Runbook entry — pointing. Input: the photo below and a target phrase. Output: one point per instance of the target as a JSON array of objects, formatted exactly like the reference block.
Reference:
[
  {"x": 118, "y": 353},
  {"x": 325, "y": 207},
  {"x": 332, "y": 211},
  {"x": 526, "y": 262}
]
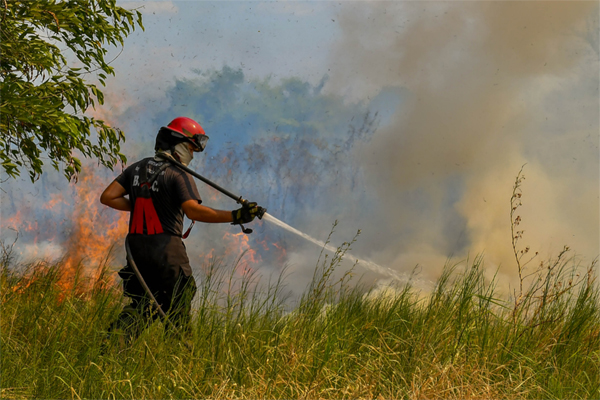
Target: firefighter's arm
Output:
[
  {"x": 197, "y": 212},
  {"x": 114, "y": 197}
]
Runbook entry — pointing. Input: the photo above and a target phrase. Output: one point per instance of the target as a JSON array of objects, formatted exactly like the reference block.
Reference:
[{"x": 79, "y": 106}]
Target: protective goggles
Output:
[{"x": 199, "y": 141}]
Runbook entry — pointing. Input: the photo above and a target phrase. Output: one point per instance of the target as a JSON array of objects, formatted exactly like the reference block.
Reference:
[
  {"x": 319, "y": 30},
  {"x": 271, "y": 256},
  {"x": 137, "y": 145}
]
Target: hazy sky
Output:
[
  {"x": 466, "y": 93},
  {"x": 278, "y": 39}
]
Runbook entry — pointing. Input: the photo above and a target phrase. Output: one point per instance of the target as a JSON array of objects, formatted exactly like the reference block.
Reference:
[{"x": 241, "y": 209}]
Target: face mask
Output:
[{"x": 184, "y": 153}]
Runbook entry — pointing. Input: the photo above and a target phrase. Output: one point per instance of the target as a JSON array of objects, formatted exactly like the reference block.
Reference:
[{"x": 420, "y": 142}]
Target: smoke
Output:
[
  {"x": 414, "y": 136},
  {"x": 284, "y": 144},
  {"x": 491, "y": 86}
]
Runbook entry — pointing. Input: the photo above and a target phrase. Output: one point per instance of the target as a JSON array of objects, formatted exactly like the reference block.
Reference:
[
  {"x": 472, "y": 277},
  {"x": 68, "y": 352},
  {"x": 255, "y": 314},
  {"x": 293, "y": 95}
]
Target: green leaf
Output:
[{"x": 41, "y": 94}]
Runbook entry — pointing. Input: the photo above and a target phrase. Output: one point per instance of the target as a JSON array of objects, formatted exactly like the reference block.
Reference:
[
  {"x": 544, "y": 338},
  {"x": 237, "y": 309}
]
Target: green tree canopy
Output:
[{"x": 48, "y": 50}]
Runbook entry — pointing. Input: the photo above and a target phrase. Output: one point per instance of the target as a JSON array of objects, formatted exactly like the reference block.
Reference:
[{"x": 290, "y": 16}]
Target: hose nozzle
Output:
[{"x": 261, "y": 212}]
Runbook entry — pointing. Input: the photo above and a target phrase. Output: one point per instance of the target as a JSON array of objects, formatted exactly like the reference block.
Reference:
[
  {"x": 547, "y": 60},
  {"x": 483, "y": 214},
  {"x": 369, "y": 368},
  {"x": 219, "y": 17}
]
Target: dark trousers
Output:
[{"x": 164, "y": 266}]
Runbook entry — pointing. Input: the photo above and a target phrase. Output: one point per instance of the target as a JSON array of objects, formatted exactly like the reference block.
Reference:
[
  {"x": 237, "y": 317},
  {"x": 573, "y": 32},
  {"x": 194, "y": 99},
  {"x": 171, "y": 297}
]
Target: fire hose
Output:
[
  {"x": 238, "y": 199},
  {"x": 226, "y": 192}
]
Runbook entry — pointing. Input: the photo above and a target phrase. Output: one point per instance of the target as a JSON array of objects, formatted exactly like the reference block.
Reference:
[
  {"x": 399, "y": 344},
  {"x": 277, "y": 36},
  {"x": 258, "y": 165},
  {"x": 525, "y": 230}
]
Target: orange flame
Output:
[
  {"x": 237, "y": 245},
  {"x": 92, "y": 233},
  {"x": 282, "y": 252},
  {"x": 21, "y": 223}
]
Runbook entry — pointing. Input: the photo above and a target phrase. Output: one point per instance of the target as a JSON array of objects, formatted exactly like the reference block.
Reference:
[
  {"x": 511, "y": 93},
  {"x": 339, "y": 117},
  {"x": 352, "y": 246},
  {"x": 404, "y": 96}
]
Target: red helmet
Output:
[{"x": 188, "y": 130}]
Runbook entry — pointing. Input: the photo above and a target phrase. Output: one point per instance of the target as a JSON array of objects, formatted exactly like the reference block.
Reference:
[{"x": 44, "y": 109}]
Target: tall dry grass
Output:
[{"x": 339, "y": 340}]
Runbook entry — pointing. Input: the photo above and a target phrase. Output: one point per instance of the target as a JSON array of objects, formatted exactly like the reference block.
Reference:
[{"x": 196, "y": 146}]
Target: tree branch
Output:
[{"x": 55, "y": 19}]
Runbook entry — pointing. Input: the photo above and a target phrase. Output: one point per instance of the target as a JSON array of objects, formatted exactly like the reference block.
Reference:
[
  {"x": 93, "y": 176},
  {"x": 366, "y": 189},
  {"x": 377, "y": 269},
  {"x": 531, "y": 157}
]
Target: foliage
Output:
[
  {"x": 460, "y": 341},
  {"x": 49, "y": 51}
]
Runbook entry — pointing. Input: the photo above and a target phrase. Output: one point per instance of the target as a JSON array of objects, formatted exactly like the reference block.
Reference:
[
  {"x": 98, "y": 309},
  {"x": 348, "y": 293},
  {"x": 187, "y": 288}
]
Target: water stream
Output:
[{"x": 365, "y": 263}]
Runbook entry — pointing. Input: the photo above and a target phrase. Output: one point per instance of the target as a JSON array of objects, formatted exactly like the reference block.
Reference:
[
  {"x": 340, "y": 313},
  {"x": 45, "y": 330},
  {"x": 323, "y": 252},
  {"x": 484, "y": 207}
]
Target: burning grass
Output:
[{"x": 339, "y": 340}]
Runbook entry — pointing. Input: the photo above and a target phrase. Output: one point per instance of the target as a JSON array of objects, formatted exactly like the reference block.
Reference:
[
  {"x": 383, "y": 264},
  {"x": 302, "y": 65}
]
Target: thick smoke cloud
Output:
[
  {"x": 414, "y": 137},
  {"x": 491, "y": 86}
]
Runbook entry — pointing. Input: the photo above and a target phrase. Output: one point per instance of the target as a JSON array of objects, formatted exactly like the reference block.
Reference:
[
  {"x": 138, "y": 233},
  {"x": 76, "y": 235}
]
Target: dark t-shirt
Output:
[{"x": 172, "y": 187}]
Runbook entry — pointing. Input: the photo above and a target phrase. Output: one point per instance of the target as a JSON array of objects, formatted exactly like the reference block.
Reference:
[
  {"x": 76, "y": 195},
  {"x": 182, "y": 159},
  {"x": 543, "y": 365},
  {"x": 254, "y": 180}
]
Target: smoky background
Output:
[{"x": 413, "y": 135}]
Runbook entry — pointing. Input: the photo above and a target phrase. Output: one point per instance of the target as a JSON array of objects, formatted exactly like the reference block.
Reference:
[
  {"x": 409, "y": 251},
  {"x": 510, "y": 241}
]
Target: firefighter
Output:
[{"x": 158, "y": 194}]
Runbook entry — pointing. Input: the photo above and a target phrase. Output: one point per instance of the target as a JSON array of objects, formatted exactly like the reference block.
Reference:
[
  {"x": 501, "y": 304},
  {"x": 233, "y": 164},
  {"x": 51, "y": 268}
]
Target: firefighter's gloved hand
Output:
[{"x": 247, "y": 213}]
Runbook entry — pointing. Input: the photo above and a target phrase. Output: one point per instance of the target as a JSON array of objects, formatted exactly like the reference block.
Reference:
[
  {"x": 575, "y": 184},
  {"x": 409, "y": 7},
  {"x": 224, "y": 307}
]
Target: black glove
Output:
[{"x": 247, "y": 213}]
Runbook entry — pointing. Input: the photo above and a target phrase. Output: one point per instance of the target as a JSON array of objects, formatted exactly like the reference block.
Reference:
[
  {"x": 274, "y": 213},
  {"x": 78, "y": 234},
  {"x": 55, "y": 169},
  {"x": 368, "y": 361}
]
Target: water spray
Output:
[
  {"x": 368, "y": 264},
  {"x": 262, "y": 214}
]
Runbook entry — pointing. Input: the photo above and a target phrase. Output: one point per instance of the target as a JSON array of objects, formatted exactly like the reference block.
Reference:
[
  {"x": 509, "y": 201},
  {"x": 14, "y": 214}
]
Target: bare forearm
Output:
[
  {"x": 197, "y": 212},
  {"x": 210, "y": 215},
  {"x": 114, "y": 197},
  {"x": 121, "y": 204}
]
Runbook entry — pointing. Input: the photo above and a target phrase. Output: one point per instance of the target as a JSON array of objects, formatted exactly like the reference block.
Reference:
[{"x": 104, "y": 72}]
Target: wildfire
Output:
[
  {"x": 56, "y": 200},
  {"x": 93, "y": 233},
  {"x": 282, "y": 252},
  {"x": 72, "y": 222},
  {"x": 21, "y": 223},
  {"x": 90, "y": 233},
  {"x": 237, "y": 245},
  {"x": 279, "y": 250},
  {"x": 248, "y": 254}
]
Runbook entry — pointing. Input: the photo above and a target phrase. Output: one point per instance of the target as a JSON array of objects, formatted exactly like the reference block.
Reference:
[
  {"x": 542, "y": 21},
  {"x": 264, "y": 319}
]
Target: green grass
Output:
[{"x": 339, "y": 340}]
